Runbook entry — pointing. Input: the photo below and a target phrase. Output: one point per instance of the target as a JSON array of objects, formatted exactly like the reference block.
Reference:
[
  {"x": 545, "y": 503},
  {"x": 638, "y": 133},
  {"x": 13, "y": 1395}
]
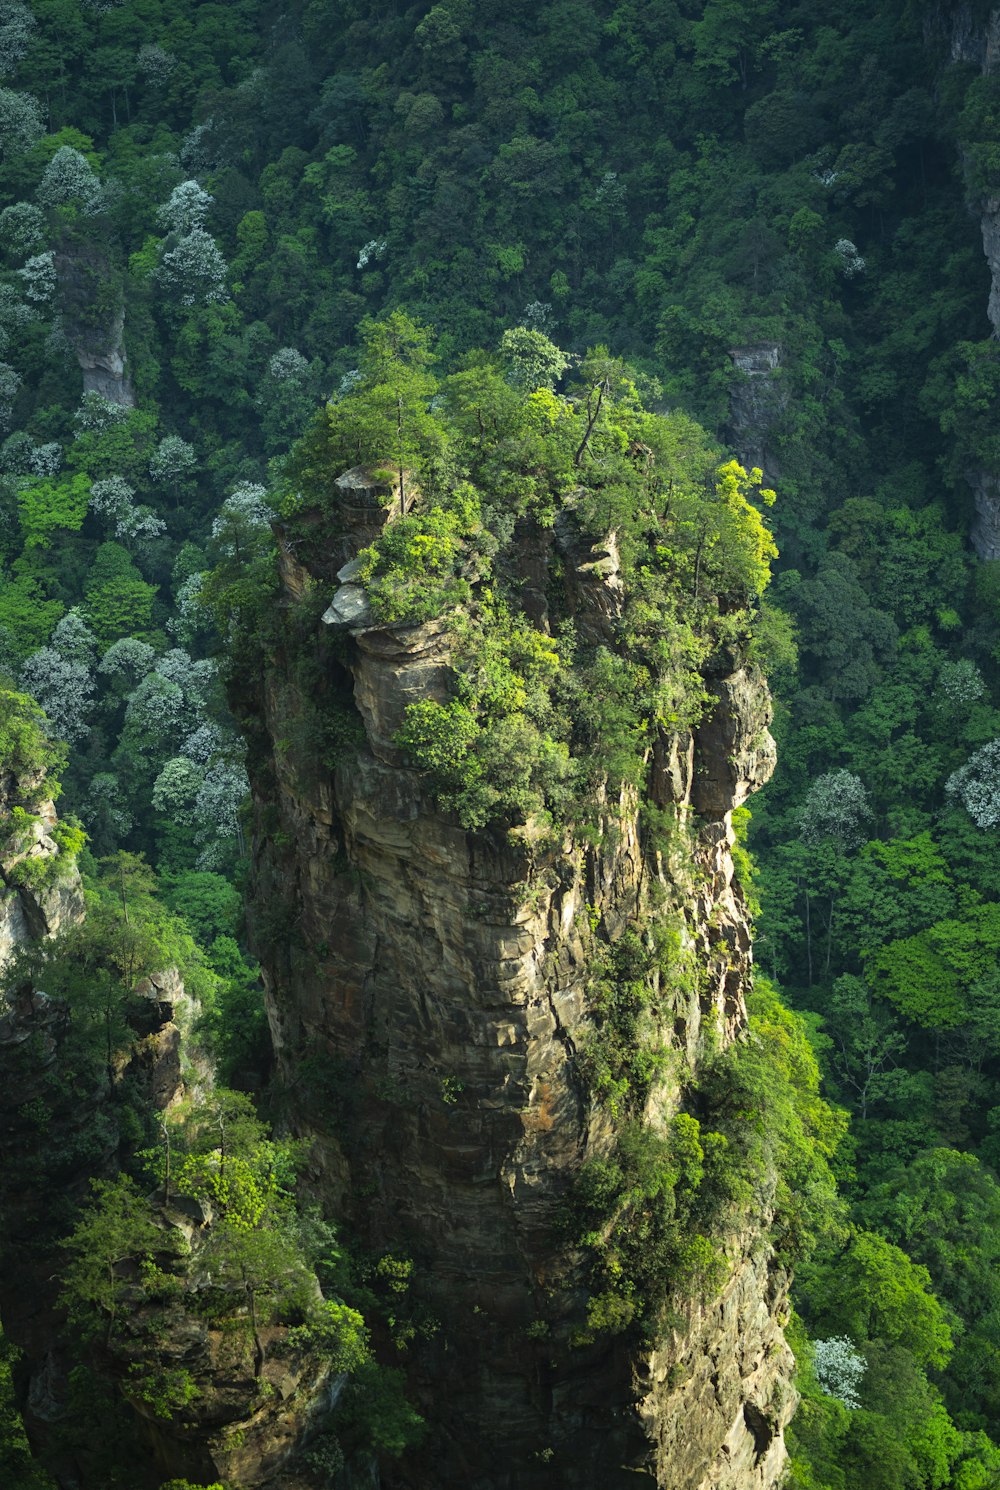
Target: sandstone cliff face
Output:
[
  {"x": 38, "y": 897},
  {"x": 757, "y": 401},
  {"x": 428, "y": 996},
  {"x": 93, "y": 319}
]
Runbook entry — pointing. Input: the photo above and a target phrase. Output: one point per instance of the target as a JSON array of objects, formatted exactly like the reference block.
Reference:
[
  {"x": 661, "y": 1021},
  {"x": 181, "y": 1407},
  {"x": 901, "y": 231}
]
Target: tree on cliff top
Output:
[{"x": 386, "y": 417}]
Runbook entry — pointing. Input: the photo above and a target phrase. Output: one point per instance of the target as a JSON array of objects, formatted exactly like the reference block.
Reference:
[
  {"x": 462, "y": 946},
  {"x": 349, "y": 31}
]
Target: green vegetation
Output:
[{"x": 625, "y": 205}]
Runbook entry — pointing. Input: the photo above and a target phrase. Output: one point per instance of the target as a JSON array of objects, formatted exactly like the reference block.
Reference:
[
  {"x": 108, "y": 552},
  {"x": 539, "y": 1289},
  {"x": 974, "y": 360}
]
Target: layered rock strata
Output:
[{"x": 428, "y": 991}]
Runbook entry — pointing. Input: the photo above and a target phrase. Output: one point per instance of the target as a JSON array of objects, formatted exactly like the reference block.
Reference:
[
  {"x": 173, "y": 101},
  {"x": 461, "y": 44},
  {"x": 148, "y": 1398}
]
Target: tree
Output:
[
  {"x": 20, "y": 122},
  {"x": 112, "y": 498},
  {"x": 192, "y": 266},
  {"x": 872, "y": 1291},
  {"x": 46, "y": 504},
  {"x": 69, "y": 178},
  {"x": 836, "y": 806},
  {"x": 22, "y": 229},
  {"x": 977, "y": 785},
  {"x": 118, "y": 1228},
  {"x": 243, "y": 525},
  {"x": 39, "y": 276},
  {"x": 386, "y": 418},
  {"x": 839, "y": 1368},
  {"x": 186, "y": 208},
  {"x": 65, "y": 691},
  {"x": 73, "y": 639},
  {"x": 531, "y": 360},
  {"x": 174, "y": 463}
]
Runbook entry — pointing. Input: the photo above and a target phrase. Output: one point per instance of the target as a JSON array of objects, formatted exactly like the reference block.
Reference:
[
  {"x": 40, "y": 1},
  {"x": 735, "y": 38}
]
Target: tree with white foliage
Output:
[
  {"x": 217, "y": 807},
  {"x": 69, "y": 177},
  {"x": 74, "y": 640},
  {"x": 154, "y": 64},
  {"x": 112, "y": 499},
  {"x": 960, "y": 684},
  {"x": 97, "y": 414},
  {"x": 46, "y": 460},
  {"x": 176, "y": 788},
  {"x": 20, "y": 122},
  {"x": 16, "y": 26},
  {"x": 173, "y": 462},
  {"x": 286, "y": 363},
  {"x": 836, "y": 806},
  {"x": 128, "y": 661},
  {"x": 203, "y": 744},
  {"x": 839, "y": 1368},
  {"x": 64, "y": 689},
  {"x": 111, "y": 496},
  {"x": 39, "y": 275},
  {"x": 194, "y": 269},
  {"x": 977, "y": 785},
  {"x": 851, "y": 262},
  {"x": 185, "y": 209},
  {"x": 243, "y": 525},
  {"x": 22, "y": 229},
  {"x": 194, "y": 678},
  {"x": 192, "y": 613},
  {"x": 10, "y": 383}
]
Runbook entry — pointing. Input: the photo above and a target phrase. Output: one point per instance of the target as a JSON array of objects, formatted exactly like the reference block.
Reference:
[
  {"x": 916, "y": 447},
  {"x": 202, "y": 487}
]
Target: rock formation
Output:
[{"x": 429, "y": 991}]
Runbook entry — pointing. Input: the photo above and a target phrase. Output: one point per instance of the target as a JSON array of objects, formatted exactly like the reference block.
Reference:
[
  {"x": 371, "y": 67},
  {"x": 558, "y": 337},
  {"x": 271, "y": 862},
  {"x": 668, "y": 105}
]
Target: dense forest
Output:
[{"x": 237, "y": 241}]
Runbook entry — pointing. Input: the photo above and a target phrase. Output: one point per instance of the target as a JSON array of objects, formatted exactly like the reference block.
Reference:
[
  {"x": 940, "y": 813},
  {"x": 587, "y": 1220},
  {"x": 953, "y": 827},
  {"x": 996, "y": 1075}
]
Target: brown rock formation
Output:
[{"x": 428, "y": 990}]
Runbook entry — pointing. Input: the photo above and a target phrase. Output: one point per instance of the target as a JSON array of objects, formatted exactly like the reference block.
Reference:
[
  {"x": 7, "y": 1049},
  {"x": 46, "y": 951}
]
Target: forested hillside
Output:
[{"x": 518, "y": 250}]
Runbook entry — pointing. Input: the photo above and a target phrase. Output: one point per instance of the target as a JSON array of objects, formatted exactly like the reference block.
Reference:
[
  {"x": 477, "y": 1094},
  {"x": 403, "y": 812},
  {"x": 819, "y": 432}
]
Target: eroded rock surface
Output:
[{"x": 428, "y": 997}]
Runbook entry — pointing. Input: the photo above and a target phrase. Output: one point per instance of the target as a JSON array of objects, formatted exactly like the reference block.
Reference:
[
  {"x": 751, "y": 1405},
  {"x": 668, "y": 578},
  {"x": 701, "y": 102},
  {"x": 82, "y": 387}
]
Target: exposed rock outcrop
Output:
[
  {"x": 433, "y": 984},
  {"x": 92, "y": 309},
  {"x": 757, "y": 400},
  {"x": 40, "y": 890}
]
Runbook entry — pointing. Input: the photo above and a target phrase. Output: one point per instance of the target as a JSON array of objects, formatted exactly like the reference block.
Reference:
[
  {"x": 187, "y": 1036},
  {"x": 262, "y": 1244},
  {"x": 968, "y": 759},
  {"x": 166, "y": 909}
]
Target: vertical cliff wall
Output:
[{"x": 430, "y": 994}]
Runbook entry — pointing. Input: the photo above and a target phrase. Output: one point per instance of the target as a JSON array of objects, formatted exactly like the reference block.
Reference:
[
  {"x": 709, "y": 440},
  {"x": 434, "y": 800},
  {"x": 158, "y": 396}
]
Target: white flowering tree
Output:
[
  {"x": 839, "y": 1368},
  {"x": 193, "y": 269},
  {"x": 287, "y": 363},
  {"x": 45, "y": 460},
  {"x": 74, "y": 640},
  {"x": 69, "y": 177},
  {"x": 16, "y": 26},
  {"x": 22, "y": 229},
  {"x": 192, "y": 615},
  {"x": 39, "y": 276},
  {"x": 129, "y": 658},
  {"x": 217, "y": 807},
  {"x": 850, "y": 261},
  {"x": 243, "y": 525},
  {"x": 20, "y": 122},
  {"x": 959, "y": 684},
  {"x": 97, "y": 414},
  {"x": 64, "y": 689},
  {"x": 977, "y": 785},
  {"x": 112, "y": 499},
  {"x": 185, "y": 209},
  {"x": 173, "y": 462},
  {"x": 836, "y": 806}
]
